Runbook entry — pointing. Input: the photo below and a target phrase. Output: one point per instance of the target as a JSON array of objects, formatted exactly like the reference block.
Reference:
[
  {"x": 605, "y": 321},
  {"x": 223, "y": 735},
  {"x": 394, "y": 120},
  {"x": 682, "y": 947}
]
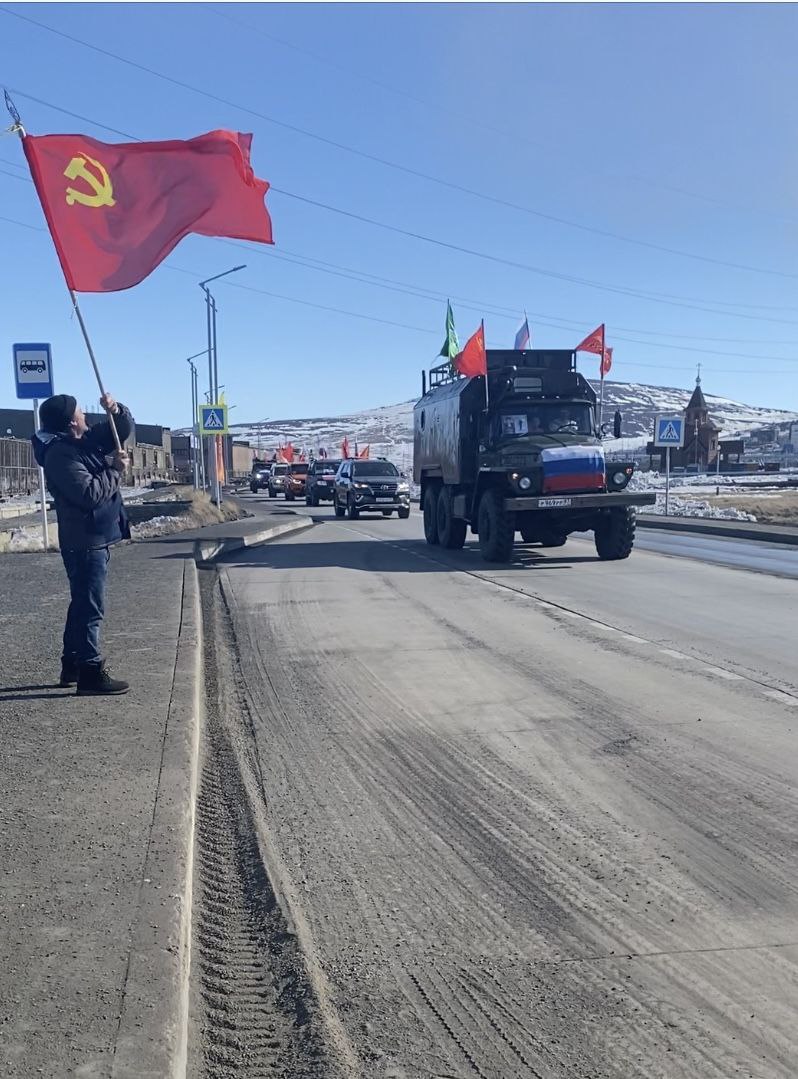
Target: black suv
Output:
[
  {"x": 320, "y": 482},
  {"x": 277, "y": 479},
  {"x": 259, "y": 478},
  {"x": 370, "y": 485}
]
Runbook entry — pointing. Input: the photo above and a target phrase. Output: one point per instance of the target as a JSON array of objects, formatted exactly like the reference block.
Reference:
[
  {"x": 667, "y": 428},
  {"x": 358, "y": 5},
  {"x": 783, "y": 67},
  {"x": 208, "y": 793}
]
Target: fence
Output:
[{"x": 18, "y": 472}]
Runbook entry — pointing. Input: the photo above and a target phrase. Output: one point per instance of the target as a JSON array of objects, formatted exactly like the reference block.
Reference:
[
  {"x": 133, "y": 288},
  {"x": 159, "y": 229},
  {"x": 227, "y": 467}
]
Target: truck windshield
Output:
[{"x": 551, "y": 418}]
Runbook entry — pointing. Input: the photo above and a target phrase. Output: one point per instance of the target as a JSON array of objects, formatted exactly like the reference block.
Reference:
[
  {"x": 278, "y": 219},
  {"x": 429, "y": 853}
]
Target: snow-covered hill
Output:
[{"x": 389, "y": 429}]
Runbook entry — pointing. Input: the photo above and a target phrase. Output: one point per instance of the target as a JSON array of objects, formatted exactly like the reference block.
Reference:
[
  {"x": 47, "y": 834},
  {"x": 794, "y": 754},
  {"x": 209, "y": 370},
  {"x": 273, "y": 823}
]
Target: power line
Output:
[
  {"x": 651, "y": 297},
  {"x": 514, "y": 136},
  {"x": 621, "y": 290},
  {"x": 426, "y": 330},
  {"x": 406, "y": 169}
]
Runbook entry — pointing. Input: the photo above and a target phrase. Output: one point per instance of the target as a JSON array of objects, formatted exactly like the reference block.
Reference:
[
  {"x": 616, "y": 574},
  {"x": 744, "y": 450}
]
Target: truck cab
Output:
[{"x": 519, "y": 451}]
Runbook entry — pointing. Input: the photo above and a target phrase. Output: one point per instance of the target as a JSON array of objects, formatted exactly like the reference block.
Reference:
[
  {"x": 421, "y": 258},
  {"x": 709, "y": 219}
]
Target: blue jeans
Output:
[{"x": 86, "y": 570}]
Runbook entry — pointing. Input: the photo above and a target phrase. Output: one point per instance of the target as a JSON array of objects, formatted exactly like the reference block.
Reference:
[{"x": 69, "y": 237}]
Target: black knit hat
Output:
[{"x": 57, "y": 413}]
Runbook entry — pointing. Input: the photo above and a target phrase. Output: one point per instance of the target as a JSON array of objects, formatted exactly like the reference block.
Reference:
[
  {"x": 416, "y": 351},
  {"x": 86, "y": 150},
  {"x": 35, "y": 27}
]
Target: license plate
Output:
[
  {"x": 553, "y": 503},
  {"x": 385, "y": 498}
]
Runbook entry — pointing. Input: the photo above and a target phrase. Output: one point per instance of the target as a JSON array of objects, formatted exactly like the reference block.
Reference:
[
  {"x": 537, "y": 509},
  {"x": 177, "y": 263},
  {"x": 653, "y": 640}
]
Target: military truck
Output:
[{"x": 520, "y": 455}]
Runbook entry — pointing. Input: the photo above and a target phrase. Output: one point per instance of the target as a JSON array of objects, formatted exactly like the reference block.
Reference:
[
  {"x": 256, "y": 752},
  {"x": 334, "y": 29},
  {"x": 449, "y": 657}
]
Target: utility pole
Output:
[{"x": 213, "y": 367}]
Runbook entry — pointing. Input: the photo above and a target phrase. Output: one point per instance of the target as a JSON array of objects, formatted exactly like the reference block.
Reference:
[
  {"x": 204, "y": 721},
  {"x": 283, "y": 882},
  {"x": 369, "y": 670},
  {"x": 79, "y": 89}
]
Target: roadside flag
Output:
[
  {"x": 345, "y": 448},
  {"x": 523, "y": 337},
  {"x": 116, "y": 210},
  {"x": 594, "y": 342},
  {"x": 473, "y": 360},
  {"x": 451, "y": 346},
  {"x": 364, "y": 453}
]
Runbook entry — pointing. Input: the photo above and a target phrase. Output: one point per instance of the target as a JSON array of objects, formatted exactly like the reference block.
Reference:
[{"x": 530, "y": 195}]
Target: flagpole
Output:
[
  {"x": 19, "y": 129},
  {"x": 528, "y": 332},
  {"x": 487, "y": 391}
]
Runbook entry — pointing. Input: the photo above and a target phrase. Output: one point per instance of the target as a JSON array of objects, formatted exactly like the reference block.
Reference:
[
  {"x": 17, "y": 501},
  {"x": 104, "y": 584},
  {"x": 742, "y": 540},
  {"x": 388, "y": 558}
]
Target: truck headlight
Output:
[
  {"x": 525, "y": 483},
  {"x": 403, "y": 488}
]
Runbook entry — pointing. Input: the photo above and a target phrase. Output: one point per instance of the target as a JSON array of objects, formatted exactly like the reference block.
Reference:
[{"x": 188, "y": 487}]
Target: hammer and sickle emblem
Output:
[{"x": 102, "y": 192}]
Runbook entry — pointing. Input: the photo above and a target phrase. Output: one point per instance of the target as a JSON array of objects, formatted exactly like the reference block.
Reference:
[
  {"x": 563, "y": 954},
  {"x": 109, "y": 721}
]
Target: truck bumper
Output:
[{"x": 577, "y": 502}]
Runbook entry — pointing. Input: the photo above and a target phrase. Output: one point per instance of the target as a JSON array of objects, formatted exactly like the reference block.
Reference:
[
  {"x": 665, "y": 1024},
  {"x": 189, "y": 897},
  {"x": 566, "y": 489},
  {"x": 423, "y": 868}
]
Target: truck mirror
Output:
[{"x": 616, "y": 427}]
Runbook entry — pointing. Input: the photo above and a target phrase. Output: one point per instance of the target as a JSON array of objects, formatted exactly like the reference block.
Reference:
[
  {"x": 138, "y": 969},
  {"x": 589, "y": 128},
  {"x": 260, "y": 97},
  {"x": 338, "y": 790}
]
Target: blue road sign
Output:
[
  {"x": 213, "y": 420},
  {"x": 669, "y": 431},
  {"x": 33, "y": 371}
]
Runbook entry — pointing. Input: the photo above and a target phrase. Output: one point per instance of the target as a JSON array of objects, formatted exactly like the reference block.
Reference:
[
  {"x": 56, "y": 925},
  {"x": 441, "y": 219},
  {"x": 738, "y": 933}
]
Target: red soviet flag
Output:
[
  {"x": 473, "y": 359},
  {"x": 606, "y": 362},
  {"x": 116, "y": 210},
  {"x": 594, "y": 342}
]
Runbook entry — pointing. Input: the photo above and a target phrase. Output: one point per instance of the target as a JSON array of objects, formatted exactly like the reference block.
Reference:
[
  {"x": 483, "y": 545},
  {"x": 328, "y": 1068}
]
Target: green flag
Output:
[{"x": 451, "y": 345}]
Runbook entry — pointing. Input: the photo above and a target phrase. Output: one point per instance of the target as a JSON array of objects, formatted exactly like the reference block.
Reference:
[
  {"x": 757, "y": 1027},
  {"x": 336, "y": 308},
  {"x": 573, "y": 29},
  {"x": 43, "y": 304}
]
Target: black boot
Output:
[
  {"x": 95, "y": 681},
  {"x": 69, "y": 672}
]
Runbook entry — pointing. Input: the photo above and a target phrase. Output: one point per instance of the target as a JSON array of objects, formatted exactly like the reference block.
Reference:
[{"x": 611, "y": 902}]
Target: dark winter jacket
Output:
[{"x": 84, "y": 487}]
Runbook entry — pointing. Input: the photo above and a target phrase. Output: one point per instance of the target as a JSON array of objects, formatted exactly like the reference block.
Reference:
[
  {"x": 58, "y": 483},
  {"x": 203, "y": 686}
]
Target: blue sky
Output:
[{"x": 670, "y": 125}]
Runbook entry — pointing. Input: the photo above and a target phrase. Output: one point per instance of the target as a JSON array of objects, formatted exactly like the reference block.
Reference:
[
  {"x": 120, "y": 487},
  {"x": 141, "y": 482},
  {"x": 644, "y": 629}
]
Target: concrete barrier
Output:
[
  {"x": 209, "y": 550},
  {"x": 708, "y": 526}
]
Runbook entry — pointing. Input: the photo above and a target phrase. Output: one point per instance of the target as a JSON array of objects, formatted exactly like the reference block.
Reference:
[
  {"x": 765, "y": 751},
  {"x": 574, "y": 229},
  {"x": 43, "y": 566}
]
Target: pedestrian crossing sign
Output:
[
  {"x": 213, "y": 420},
  {"x": 669, "y": 431}
]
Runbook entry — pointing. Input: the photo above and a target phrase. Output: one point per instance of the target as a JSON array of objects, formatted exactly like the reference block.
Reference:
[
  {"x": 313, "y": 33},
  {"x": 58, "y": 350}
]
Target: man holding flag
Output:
[{"x": 91, "y": 518}]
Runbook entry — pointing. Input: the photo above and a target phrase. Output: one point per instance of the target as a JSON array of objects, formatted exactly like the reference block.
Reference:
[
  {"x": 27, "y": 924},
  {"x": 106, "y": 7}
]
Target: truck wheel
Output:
[
  {"x": 352, "y": 511},
  {"x": 496, "y": 531},
  {"x": 403, "y": 512},
  {"x": 431, "y": 516},
  {"x": 314, "y": 499},
  {"x": 272, "y": 494},
  {"x": 254, "y": 488},
  {"x": 339, "y": 510},
  {"x": 615, "y": 533},
  {"x": 289, "y": 498},
  {"x": 451, "y": 530}
]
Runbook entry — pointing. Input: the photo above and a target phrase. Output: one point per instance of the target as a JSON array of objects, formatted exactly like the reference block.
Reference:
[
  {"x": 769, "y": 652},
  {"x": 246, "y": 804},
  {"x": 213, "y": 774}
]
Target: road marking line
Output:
[
  {"x": 601, "y": 625},
  {"x": 673, "y": 653},
  {"x": 719, "y": 671},
  {"x": 782, "y": 698},
  {"x": 637, "y": 640}
]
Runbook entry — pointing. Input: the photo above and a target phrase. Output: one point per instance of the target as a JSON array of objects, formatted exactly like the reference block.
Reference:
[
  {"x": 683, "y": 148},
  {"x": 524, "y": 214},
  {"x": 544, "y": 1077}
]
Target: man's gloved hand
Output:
[{"x": 120, "y": 461}]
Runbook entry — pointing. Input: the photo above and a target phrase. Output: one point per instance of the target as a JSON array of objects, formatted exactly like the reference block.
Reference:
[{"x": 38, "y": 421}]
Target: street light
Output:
[
  {"x": 213, "y": 365},
  {"x": 195, "y": 441}
]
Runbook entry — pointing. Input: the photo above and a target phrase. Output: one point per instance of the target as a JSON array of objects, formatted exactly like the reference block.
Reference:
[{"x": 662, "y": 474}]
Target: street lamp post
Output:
[
  {"x": 195, "y": 441},
  {"x": 213, "y": 365}
]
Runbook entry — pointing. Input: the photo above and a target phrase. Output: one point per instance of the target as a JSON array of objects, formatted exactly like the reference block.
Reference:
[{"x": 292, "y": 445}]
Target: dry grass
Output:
[{"x": 778, "y": 508}]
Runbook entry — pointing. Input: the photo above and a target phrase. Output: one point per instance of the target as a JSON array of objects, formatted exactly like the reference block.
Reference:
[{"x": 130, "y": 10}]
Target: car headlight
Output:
[
  {"x": 403, "y": 488},
  {"x": 525, "y": 483},
  {"x": 361, "y": 486}
]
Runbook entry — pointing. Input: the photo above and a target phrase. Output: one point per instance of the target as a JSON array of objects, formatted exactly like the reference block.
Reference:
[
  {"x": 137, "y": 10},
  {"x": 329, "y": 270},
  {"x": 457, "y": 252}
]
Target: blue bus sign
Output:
[{"x": 33, "y": 371}]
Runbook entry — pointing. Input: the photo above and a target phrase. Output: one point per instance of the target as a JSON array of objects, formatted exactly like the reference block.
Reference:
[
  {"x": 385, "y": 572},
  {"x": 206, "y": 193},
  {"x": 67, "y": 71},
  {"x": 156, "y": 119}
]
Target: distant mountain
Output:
[{"x": 389, "y": 429}]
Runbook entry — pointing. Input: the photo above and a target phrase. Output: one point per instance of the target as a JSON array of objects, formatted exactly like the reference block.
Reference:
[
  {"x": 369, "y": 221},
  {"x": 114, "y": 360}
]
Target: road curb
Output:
[
  {"x": 152, "y": 1040},
  {"x": 726, "y": 529},
  {"x": 208, "y": 551}
]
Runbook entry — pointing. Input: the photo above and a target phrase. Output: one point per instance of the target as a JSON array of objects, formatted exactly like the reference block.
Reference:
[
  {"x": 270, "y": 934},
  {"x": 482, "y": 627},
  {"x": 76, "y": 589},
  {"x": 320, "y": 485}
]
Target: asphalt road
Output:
[{"x": 533, "y": 821}]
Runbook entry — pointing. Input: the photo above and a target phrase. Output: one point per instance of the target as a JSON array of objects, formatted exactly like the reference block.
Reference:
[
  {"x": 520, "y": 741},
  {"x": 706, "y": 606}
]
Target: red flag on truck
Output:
[
  {"x": 116, "y": 210},
  {"x": 606, "y": 362},
  {"x": 594, "y": 342},
  {"x": 473, "y": 360}
]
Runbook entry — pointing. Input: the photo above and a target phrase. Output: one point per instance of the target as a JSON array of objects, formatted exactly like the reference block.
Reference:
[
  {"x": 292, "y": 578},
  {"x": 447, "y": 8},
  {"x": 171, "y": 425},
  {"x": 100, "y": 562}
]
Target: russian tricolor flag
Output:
[
  {"x": 572, "y": 468},
  {"x": 522, "y": 338}
]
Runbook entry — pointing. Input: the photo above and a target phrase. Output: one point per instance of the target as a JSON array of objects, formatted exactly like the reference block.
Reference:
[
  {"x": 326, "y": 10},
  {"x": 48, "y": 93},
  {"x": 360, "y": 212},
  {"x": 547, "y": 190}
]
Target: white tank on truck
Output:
[{"x": 522, "y": 455}]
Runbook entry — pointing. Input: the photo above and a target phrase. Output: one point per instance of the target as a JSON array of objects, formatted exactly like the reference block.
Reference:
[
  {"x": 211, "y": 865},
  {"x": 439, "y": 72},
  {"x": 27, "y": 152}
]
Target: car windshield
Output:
[
  {"x": 279, "y": 470},
  {"x": 375, "y": 468},
  {"x": 300, "y": 467},
  {"x": 326, "y": 466},
  {"x": 551, "y": 418}
]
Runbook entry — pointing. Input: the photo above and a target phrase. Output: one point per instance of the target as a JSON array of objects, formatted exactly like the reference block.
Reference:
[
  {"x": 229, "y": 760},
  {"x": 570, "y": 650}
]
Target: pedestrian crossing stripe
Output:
[{"x": 213, "y": 420}]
